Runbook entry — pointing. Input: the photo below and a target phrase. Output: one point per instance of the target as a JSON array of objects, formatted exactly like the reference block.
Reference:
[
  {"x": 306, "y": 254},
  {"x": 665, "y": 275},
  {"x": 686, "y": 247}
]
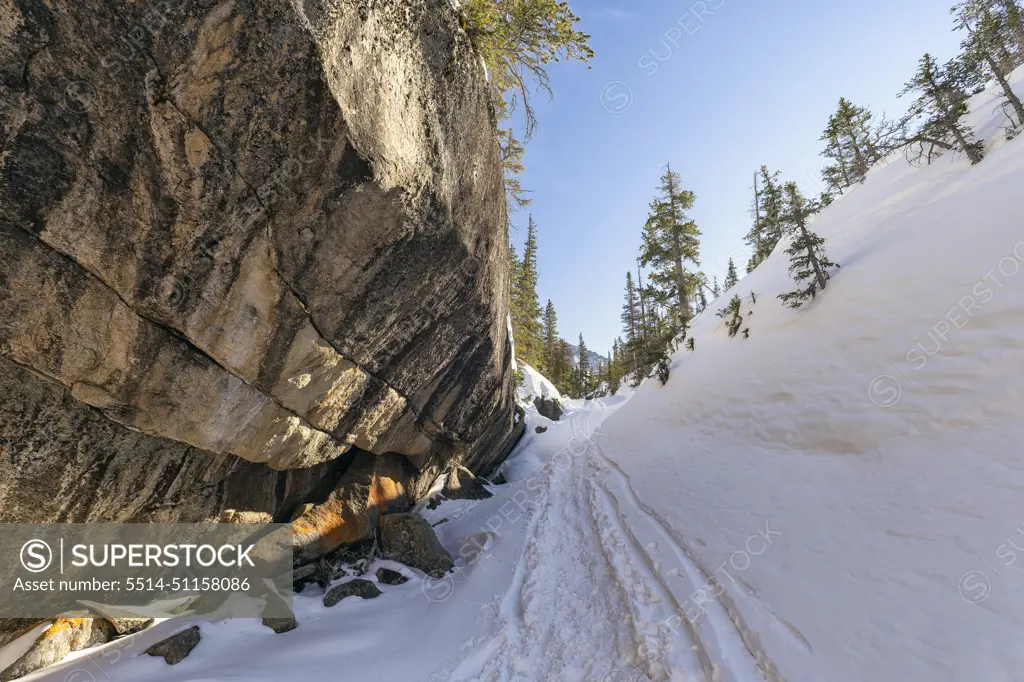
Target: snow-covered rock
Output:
[
  {"x": 537, "y": 390},
  {"x": 536, "y": 385}
]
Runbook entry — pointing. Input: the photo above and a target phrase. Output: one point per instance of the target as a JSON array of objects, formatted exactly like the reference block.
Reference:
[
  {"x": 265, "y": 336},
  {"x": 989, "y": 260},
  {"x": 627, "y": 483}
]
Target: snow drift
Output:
[{"x": 877, "y": 431}]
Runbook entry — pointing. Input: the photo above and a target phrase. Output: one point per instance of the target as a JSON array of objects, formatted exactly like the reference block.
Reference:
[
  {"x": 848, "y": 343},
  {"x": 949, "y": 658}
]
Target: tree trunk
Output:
[
  {"x": 677, "y": 253},
  {"x": 818, "y": 274},
  {"x": 643, "y": 314},
  {"x": 862, "y": 166},
  {"x": 842, "y": 163},
  {"x": 953, "y": 125},
  {"x": 1011, "y": 96},
  {"x": 757, "y": 222}
]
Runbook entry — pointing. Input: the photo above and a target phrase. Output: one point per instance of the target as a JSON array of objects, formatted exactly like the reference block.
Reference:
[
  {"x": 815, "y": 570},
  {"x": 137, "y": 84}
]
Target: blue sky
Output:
[{"x": 717, "y": 88}]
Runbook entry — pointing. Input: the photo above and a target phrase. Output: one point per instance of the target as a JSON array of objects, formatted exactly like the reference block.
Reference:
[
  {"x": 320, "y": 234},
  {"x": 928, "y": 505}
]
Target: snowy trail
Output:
[
  {"x": 562, "y": 607},
  {"x": 562, "y": 616},
  {"x": 727, "y": 646},
  {"x": 604, "y": 591}
]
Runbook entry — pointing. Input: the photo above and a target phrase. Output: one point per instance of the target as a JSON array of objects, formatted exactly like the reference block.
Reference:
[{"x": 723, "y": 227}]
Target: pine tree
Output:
[
  {"x": 715, "y": 289},
  {"x": 615, "y": 368},
  {"x": 767, "y": 211},
  {"x": 850, "y": 144},
  {"x": 1005, "y": 34},
  {"x": 526, "y": 312},
  {"x": 808, "y": 262},
  {"x": 1015, "y": 26},
  {"x": 564, "y": 368},
  {"x": 987, "y": 33},
  {"x": 731, "y": 277},
  {"x": 755, "y": 234},
  {"x": 732, "y": 315},
  {"x": 511, "y": 151},
  {"x": 551, "y": 347},
  {"x": 584, "y": 379},
  {"x": 941, "y": 103},
  {"x": 643, "y": 350},
  {"x": 670, "y": 241},
  {"x": 631, "y": 313},
  {"x": 517, "y": 39},
  {"x": 702, "y": 300},
  {"x": 836, "y": 176}
]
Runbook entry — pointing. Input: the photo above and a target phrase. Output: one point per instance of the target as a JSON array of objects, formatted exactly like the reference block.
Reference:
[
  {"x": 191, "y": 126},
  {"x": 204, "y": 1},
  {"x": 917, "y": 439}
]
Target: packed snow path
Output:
[{"x": 605, "y": 591}]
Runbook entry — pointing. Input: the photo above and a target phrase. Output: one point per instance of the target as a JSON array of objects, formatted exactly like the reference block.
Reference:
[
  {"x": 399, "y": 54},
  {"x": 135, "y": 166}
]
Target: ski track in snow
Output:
[{"x": 604, "y": 591}]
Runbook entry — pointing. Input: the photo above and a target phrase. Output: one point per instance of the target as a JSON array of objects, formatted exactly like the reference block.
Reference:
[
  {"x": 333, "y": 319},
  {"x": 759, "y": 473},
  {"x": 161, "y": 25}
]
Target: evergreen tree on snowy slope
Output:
[
  {"x": 670, "y": 241},
  {"x": 731, "y": 277},
  {"x": 1004, "y": 17},
  {"x": 584, "y": 378},
  {"x": 850, "y": 144},
  {"x": 808, "y": 263},
  {"x": 526, "y": 325},
  {"x": 939, "y": 107},
  {"x": 767, "y": 211},
  {"x": 985, "y": 55},
  {"x": 615, "y": 369},
  {"x": 551, "y": 346},
  {"x": 702, "y": 300},
  {"x": 631, "y": 313}
]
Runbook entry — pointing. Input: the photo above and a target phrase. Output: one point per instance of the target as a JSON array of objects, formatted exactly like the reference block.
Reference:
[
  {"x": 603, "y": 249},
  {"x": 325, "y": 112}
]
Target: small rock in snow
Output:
[
  {"x": 281, "y": 625},
  {"x": 389, "y": 577},
  {"x": 358, "y": 587},
  {"x": 175, "y": 648},
  {"x": 410, "y": 540}
]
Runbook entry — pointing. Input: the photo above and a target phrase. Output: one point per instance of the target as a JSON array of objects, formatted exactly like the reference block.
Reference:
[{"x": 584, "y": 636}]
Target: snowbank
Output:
[
  {"x": 877, "y": 432},
  {"x": 536, "y": 385}
]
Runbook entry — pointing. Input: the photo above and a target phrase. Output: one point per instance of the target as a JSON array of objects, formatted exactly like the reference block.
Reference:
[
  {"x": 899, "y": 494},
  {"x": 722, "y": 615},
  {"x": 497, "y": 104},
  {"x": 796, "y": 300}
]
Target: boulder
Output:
[
  {"x": 62, "y": 637},
  {"x": 13, "y": 628},
  {"x": 175, "y": 648},
  {"x": 541, "y": 429},
  {"x": 387, "y": 576},
  {"x": 460, "y": 484},
  {"x": 463, "y": 485},
  {"x": 235, "y": 255},
  {"x": 353, "y": 588},
  {"x": 129, "y": 626},
  {"x": 281, "y": 625},
  {"x": 549, "y": 407},
  {"x": 410, "y": 540},
  {"x": 372, "y": 485}
]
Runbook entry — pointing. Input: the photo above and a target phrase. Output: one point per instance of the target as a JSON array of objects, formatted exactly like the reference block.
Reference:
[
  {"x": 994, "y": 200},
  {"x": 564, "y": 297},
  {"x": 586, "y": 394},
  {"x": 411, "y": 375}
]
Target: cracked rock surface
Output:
[{"x": 244, "y": 244}]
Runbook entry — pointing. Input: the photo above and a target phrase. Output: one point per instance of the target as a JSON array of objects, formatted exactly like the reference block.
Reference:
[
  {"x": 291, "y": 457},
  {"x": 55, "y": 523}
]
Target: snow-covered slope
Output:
[
  {"x": 536, "y": 385},
  {"x": 876, "y": 433}
]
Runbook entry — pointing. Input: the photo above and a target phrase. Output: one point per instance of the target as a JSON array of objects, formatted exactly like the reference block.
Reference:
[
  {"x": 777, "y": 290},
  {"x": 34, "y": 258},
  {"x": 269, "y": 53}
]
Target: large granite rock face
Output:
[{"x": 242, "y": 242}]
